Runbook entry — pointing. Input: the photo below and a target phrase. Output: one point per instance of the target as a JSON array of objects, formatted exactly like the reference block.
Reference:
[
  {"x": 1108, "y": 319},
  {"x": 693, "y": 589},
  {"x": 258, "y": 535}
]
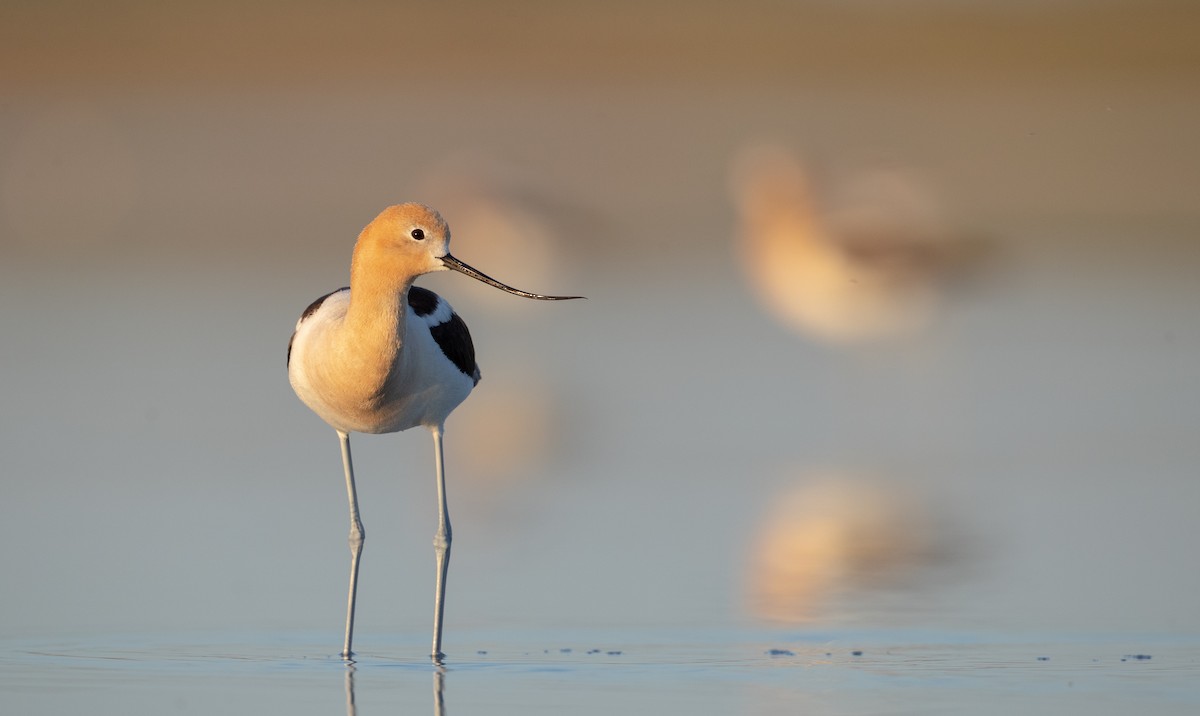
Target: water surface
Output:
[{"x": 582, "y": 671}]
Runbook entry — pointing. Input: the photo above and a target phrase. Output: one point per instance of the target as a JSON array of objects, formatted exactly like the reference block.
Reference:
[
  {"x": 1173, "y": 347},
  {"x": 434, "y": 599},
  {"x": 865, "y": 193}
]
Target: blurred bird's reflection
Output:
[
  {"x": 835, "y": 536},
  {"x": 515, "y": 428}
]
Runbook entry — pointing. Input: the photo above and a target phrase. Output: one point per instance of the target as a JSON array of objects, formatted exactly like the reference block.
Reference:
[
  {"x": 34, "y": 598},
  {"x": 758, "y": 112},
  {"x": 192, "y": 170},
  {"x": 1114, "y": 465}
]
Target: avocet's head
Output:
[
  {"x": 419, "y": 239},
  {"x": 406, "y": 238}
]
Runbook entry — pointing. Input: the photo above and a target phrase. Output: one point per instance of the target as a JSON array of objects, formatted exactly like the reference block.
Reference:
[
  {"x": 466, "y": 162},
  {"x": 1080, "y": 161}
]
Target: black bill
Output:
[{"x": 453, "y": 263}]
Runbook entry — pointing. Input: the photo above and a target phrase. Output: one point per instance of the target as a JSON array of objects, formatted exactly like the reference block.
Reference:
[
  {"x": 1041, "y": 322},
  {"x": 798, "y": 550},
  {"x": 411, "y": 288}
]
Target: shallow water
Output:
[
  {"x": 682, "y": 671},
  {"x": 996, "y": 506}
]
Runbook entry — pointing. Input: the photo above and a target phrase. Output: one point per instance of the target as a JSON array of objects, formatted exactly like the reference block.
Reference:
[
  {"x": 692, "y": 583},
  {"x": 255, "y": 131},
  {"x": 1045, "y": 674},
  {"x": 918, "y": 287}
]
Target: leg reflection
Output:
[
  {"x": 350, "y": 710},
  {"x": 439, "y": 685}
]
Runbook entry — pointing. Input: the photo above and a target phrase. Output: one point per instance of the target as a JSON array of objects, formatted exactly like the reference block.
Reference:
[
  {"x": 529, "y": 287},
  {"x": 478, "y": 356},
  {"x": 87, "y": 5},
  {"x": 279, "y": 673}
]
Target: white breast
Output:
[{"x": 422, "y": 388}]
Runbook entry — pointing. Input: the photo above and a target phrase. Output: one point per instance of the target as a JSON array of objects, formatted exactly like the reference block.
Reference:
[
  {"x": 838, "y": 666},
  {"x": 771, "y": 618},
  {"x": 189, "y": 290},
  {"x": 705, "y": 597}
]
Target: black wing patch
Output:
[
  {"x": 422, "y": 301},
  {"x": 312, "y": 308},
  {"x": 451, "y": 335},
  {"x": 455, "y": 341}
]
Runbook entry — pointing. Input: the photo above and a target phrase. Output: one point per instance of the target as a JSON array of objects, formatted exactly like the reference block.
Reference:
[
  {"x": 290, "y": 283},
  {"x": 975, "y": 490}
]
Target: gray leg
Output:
[
  {"x": 441, "y": 546},
  {"x": 357, "y": 537}
]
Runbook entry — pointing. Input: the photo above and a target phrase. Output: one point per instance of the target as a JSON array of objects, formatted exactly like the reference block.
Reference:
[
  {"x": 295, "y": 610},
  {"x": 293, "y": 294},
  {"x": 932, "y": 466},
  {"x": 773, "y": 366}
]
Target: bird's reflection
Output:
[
  {"x": 835, "y": 537},
  {"x": 439, "y": 686}
]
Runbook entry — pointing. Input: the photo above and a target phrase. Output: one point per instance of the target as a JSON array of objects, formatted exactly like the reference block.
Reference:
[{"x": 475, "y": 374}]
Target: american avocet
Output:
[
  {"x": 382, "y": 355},
  {"x": 846, "y": 260}
]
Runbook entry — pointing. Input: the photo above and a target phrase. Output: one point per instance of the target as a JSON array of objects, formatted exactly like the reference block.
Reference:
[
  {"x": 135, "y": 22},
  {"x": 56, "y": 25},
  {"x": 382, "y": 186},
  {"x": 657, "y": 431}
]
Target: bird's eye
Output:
[{"x": 418, "y": 234}]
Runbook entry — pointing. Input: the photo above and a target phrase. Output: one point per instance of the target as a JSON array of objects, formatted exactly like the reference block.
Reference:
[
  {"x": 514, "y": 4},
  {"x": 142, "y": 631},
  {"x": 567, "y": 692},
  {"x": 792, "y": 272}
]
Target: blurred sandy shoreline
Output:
[{"x": 228, "y": 45}]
